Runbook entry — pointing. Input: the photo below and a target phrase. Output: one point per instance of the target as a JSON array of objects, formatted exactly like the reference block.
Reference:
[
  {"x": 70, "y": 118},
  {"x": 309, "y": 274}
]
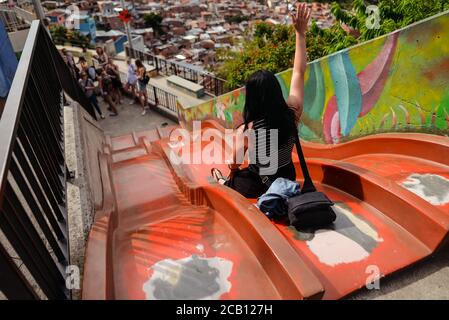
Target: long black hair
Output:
[
  {"x": 264, "y": 100},
  {"x": 139, "y": 63}
]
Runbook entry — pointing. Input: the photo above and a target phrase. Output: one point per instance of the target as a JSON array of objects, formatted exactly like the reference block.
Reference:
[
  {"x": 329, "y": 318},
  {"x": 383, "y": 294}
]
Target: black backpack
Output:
[{"x": 89, "y": 70}]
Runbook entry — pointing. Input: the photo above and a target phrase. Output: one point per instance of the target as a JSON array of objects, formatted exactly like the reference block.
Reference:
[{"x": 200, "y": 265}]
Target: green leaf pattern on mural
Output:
[
  {"x": 314, "y": 92},
  {"x": 347, "y": 90}
]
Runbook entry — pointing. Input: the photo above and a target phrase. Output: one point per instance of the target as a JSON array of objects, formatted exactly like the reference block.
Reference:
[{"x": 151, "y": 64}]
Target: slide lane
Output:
[
  {"x": 153, "y": 240},
  {"x": 174, "y": 233},
  {"x": 383, "y": 225}
]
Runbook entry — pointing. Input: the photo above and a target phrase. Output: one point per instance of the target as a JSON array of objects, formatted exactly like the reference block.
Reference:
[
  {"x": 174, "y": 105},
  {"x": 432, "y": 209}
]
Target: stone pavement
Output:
[
  {"x": 130, "y": 119},
  {"x": 426, "y": 280}
]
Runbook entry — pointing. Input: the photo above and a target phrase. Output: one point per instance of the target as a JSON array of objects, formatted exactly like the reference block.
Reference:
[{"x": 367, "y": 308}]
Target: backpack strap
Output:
[{"x": 308, "y": 185}]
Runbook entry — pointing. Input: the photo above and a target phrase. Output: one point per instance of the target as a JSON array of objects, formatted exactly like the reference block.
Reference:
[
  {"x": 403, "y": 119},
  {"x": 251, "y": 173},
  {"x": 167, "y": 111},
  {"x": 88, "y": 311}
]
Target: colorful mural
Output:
[{"x": 396, "y": 83}]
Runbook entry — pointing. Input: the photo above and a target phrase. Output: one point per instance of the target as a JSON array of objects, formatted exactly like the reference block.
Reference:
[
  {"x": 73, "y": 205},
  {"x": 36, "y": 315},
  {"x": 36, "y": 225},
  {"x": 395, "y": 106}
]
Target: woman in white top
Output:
[{"x": 131, "y": 80}]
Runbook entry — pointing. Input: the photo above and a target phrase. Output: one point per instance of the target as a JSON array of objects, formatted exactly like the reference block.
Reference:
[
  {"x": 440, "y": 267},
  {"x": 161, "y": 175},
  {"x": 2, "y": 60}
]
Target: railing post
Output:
[
  {"x": 211, "y": 83},
  {"x": 156, "y": 102}
]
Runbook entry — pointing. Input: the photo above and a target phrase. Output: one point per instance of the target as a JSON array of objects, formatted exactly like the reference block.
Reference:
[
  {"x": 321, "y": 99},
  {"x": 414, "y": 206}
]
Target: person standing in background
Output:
[
  {"x": 113, "y": 71},
  {"x": 101, "y": 57},
  {"x": 90, "y": 70},
  {"x": 88, "y": 87},
  {"x": 131, "y": 80},
  {"x": 70, "y": 61},
  {"x": 142, "y": 82},
  {"x": 106, "y": 91}
]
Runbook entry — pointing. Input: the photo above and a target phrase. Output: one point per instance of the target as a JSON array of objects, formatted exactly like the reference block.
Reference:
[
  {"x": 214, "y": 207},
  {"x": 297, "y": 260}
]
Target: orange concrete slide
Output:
[{"x": 167, "y": 231}]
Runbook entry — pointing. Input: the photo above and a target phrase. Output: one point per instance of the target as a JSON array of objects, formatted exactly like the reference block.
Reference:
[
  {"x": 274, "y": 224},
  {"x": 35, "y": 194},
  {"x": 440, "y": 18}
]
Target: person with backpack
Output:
[
  {"x": 88, "y": 87},
  {"x": 142, "y": 82},
  {"x": 113, "y": 71},
  {"x": 106, "y": 91},
  {"x": 89, "y": 70},
  {"x": 70, "y": 61}
]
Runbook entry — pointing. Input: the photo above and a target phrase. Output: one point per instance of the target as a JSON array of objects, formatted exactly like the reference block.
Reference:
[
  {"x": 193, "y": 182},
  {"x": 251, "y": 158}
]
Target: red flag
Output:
[{"x": 125, "y": 16}]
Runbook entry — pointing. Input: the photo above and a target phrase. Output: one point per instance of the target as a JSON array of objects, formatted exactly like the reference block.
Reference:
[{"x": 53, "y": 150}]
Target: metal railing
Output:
[
  {"x": 33, "y": 217},
  {"x": 158, "y": 96},
  {"x": 10, "y": 20},
  {"x": 212, "y": 84},
  {"x": 25, "y": 15}
]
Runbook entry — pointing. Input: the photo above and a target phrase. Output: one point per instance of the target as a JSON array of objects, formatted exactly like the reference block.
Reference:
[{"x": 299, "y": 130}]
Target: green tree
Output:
[
  {"x": 393, "y": 15},
  {"x": 238, "y": 19},
  {"x": 154, "y": 20},
  {"x": 62, "y": 35},
  {"x": 272, "y": 47},
  {"x": 322, "y": 42},
  {"x": 58, "y": 34}
]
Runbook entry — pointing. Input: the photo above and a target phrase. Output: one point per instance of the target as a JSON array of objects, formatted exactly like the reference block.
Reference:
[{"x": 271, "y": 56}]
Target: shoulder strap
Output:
[{"x": 308, "y": 184}]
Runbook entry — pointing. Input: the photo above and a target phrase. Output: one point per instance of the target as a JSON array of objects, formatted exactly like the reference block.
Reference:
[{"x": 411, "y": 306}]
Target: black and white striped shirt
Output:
[{"x": 262, "y": 146}]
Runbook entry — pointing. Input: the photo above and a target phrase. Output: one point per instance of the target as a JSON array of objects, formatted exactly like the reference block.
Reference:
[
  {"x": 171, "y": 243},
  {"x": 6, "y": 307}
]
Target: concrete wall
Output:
[
  {"x": 18, "y": 39},
  {"x": 138, "y": 43},
  {"x": 109, "y": 48},
  {"x": 120, "y": 44},
  {"x": 395, "y": 83}
]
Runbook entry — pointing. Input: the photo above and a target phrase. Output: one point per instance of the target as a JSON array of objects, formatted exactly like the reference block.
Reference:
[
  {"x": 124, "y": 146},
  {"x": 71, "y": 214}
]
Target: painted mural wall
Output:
[{"x": 396, "y": 83}]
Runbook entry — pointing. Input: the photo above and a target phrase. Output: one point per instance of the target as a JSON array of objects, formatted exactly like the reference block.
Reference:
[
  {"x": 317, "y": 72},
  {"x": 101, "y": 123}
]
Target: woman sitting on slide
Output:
[{"x": 265, "y": 109}]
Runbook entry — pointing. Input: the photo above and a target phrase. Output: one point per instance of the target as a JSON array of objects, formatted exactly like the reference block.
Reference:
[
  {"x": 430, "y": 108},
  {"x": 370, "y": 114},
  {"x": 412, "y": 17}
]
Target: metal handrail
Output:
[
  {"x": 158, "y": 97},
  {"x": 212, "y": 84},
  {"x": 33, "y": 175},
  {"x": 13, "y": 105}
]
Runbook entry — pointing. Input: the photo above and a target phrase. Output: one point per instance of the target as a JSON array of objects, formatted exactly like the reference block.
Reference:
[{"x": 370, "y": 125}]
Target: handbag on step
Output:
[{"x": 310, "y": 209}]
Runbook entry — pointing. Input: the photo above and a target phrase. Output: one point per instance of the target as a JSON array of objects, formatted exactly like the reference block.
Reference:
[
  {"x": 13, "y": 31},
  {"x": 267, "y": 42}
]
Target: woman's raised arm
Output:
[{"x": 300, "y": 22}]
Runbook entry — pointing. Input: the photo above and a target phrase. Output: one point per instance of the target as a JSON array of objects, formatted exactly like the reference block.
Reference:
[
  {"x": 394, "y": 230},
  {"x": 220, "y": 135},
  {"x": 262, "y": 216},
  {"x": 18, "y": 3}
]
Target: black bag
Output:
[
  {"x": 310, "y": 209},
  {"x": 247, "y": 183}
]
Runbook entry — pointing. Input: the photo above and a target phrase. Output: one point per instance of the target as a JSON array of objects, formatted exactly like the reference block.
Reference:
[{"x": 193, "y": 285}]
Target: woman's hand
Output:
[{"x": 301, "y": 18}]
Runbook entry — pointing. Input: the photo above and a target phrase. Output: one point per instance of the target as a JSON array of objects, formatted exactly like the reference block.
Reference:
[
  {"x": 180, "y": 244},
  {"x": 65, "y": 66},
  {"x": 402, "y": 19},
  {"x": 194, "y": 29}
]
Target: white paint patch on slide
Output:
[
  {"x": 333, "y": 248},
  {"x": 363, "y": 226},
  {"x": 192, "y": 278},
  {"x": 431, "y": 187}
]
